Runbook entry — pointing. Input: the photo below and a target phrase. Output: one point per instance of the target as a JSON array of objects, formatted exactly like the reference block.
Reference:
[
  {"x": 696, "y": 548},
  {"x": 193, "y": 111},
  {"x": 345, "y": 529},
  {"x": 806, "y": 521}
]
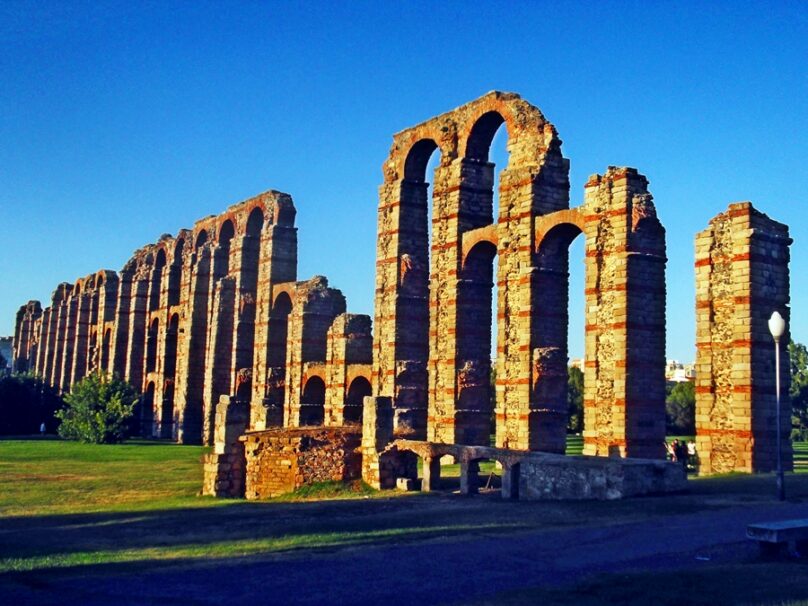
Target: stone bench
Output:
[{"x": 775, "y": 538}]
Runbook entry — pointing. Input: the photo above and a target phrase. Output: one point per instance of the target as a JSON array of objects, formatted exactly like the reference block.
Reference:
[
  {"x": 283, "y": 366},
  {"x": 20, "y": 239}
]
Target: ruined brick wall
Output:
[
  {"x": 282, "y": 460},
  {"x": 189, "y": 320},
  {"x": 741, "y": 278},
  {"x": 314, "y": 308}
]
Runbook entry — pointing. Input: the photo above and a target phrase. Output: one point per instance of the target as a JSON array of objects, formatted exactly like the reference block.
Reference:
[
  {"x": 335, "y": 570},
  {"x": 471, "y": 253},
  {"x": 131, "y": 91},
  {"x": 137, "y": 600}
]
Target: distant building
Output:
[
  {"x": 677, "y": 372},
  {"x": 577, "y": 363}
]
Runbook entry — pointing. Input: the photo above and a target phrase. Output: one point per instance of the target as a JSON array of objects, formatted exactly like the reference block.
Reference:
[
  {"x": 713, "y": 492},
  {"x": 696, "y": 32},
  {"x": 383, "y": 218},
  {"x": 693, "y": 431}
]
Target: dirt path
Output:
[{"x": 436, "y": 571}]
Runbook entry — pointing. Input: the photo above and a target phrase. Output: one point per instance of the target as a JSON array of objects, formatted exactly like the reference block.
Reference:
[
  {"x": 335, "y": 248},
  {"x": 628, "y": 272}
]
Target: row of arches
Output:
[{"x": 482, "y": 271}]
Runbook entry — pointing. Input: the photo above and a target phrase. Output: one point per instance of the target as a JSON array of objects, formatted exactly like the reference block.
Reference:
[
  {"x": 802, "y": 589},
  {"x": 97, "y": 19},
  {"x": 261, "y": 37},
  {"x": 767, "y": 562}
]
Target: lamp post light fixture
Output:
[{"x": 777, "y": 326}]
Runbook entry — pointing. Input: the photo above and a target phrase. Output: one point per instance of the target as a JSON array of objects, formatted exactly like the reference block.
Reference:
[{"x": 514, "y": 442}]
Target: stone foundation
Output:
[
  {"x": 553, "y": 477},
  {"x": 537, "y": 476},
  {"x": 279, "y": 461}
]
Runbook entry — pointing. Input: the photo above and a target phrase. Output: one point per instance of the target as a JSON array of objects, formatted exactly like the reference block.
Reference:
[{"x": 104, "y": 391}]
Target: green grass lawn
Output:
[{"x": 65, "y": 505}]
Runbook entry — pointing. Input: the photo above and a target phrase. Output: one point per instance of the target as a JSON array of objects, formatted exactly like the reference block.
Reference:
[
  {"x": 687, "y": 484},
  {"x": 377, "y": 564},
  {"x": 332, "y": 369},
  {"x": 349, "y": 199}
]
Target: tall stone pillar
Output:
[
  {"x": 219, "y": 356},
  {"x": 277, "y": 265},
  {"x": 192, "y": 349},
  {"x": 79, "y": 368},
  {"x": 624, "y": 399},
  {"x": 120, "y": 334},
  {"x": 742, "y": 277},
  {"x": 45, "y": 352},
  {"x": 61, "y": 335},
  {"x": 135, "y": 358},
  {"x": 69, "y": 344}
]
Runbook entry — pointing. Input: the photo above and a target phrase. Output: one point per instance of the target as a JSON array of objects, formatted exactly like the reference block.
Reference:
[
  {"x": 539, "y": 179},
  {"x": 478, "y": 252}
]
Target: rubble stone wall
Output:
[{"x": 282, "y": 460}]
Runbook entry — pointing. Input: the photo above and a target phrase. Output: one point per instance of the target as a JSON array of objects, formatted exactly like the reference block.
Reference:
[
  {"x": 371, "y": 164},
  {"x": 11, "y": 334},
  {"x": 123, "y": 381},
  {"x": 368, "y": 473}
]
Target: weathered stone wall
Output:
[
  {"x": 282, "y": 460},
  {"x": 741, "y": 278}
]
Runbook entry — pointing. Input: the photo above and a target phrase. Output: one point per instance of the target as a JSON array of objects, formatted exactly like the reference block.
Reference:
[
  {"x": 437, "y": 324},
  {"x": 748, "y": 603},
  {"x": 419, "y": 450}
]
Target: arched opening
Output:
[
  {"x": 479, "y": 475},
  {"x": 170, "y": 360},
  {"x": 226, "y": 234},
  {"x": 175, "y": 274},
  {"x": 201, "y": 238},
  {"x": 475, "y": 391},
  {"x": 276, "y": 349},
  {"x": 197, "y": 331},
  {"x": 355, "y": 399},
  {"x": 558, "y": 380},
  {"x": 156, "y": 281},
  {"x": 169, "y": 375},
  {"x": 167, "y": 411},
  {"x": 147, "y": 411},
  {"x": 312, "y": 405},
  {"x": 105, "y": 350},
  {"x": 477, "y": 299},
  {"x": 250, "y": 259},
  {"x": 151, "y": 346},
  {"x": 415, "y": 225}
]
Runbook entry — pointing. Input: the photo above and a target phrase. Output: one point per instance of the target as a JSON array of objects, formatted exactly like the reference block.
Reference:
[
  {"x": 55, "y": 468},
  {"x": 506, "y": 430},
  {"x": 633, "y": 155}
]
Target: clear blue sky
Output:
[{"x": 120, "y": 121}]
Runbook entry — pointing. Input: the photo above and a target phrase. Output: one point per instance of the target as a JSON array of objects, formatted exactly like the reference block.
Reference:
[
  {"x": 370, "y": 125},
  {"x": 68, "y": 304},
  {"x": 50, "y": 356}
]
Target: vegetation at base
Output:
[
  {"x": 329, "y": 490},
  {"x": 97, "y": 410},
  {"x": 680, "y": 408},
  {"x": 575, "y": 399},
  {"x": 798, "y": 356},
  {"x": 780, "y": 583},
  {"x": 25, "y": 403}
]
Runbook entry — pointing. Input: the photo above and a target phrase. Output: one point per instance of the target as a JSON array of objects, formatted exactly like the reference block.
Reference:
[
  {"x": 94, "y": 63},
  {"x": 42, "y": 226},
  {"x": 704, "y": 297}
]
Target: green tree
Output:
[
  {"x": 575, "y": 399},
  {"x": 97, "y": 410},
  {"x": 680, "y": 409},
  {"x": 798, "y": 355}
]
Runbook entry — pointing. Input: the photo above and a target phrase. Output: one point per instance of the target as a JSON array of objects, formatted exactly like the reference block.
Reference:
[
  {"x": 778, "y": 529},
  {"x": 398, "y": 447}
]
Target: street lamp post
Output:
[{"x": 777, "y": 326}]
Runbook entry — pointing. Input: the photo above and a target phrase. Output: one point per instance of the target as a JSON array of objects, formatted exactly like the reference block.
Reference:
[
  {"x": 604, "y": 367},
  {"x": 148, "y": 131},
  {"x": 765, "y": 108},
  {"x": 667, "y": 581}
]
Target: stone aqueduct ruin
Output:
[{"x": 214, "y": 317}]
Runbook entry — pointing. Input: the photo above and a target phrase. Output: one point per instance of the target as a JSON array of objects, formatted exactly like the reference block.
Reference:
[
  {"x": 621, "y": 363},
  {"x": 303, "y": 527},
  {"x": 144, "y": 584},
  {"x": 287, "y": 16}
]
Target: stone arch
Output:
[
  {"x": 358, "y": 389},
  {"x": 147, "y": 410},
  {"x": 474, "y": 392},
  {"x": 156, "y": 282},
  {"x": 175, "y": 273},
  {"x": 151, "y": 345},
  {"x": 106, "y": 345},
  {"x": 549, "y": 370},
  {"x": 312, "y": 405},
  {"x": 277, "y": 348},
  {"x": 201, "y": 238}
]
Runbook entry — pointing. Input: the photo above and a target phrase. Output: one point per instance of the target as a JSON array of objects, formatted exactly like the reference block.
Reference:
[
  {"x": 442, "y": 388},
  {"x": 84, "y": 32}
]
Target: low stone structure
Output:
[
  {"x": 224, "y": 468},
  {"x": 282, "y": 460},
  {"x": 534, "y": 476}
]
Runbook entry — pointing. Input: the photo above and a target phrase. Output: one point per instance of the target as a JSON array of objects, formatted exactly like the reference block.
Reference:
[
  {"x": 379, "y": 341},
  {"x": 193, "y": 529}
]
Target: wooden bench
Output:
[{"x": 775, "y": 538}]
